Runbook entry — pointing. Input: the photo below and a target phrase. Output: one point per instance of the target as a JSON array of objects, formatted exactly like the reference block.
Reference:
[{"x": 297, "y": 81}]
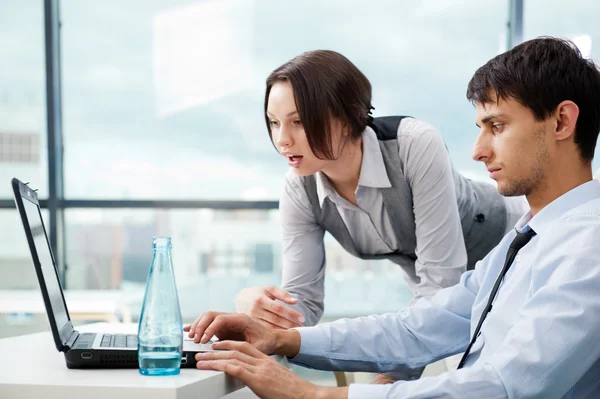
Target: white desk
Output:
[
  {"x": 31, "y": 367},
  {"x": 83, "y": 305}
]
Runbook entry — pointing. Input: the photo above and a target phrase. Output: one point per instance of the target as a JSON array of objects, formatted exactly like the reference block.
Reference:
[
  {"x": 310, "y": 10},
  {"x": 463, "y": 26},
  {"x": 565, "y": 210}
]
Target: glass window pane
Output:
[
  {"x": 215, "y": 255},
  {"x": 16, "y": 267},
  {"x": 167, "y": 103},
  {"x": 19, "y": 287},
  {"x": 22, "y": 94}
]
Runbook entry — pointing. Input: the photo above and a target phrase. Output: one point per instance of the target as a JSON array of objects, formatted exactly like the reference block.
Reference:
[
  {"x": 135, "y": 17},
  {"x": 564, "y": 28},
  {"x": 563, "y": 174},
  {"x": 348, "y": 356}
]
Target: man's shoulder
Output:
[
  {"x": 577, "y": 227},
  {"x": 589, "y": 211}
]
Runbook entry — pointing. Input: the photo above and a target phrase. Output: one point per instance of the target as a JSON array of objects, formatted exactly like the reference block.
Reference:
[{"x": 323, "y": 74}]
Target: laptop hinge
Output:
[{"x": 69, "y": 344}]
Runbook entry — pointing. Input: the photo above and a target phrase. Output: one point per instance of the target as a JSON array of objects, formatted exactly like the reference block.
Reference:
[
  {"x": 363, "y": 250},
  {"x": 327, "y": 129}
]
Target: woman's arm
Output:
[
  {"x": 441, "y": 252},
  {"x": 303, "y": 249},
  {"x": 303, "y": 267}
]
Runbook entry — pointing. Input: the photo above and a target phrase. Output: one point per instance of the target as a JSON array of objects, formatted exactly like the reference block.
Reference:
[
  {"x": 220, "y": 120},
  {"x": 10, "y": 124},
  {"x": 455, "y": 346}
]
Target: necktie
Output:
[{"x": 519, "y": 242}]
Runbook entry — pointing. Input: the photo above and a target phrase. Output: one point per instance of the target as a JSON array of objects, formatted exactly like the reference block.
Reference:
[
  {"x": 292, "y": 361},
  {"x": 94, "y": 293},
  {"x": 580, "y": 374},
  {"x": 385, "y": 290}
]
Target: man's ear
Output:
[{"x": 566, "y": 116}]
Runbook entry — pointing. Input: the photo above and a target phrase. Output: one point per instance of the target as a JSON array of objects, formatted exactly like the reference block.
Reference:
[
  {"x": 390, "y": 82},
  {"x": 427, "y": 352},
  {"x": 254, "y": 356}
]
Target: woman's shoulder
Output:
[
  {"x": 417, "y": 129},
  {"x": 294, "y": 182},
  {"x": 294, "y": 197},
  {"x": 417, "y": 138},
  {"x": 294, "y": 188}
]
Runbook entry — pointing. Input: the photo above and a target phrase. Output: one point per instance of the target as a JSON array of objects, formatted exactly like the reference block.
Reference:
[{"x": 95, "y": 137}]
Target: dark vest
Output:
[{"x": 481, "y": 207}]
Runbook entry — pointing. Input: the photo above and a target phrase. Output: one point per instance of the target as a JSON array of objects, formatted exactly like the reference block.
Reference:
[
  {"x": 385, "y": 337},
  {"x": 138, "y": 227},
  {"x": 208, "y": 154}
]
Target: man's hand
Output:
[
  {"x": 261, "y": 304},
  {"x": 235, "y": 327},
  {"x": 264, "y": 376}
]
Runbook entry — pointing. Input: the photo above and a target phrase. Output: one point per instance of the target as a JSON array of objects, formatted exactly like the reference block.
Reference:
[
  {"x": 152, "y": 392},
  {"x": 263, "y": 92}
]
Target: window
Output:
[
  {"x": 213, "y": 258},
  {"x": 168, "y": 102},
  {"x": 552, "y": 18},
  {"x": 22, "y": 96},
  {"x": 20, "y": 148},
  {"x": 16, "y": 267}
]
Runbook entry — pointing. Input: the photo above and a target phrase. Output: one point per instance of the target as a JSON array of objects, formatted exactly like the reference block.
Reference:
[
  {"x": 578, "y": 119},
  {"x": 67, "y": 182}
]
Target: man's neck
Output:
[{"x": 555, "y": 185}]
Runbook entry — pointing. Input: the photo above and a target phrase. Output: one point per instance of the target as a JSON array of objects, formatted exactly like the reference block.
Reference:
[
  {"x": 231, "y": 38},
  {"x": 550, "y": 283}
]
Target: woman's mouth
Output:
[{"x": 294, "y": 160}]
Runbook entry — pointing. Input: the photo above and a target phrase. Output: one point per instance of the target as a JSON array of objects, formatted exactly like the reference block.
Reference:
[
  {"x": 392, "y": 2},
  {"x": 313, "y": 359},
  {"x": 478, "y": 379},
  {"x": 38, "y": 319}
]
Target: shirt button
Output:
[{"x": 518, "y": 258}]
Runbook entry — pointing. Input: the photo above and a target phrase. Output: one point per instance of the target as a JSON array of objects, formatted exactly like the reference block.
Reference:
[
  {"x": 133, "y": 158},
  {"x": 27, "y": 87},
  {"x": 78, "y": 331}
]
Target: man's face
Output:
[{"x": 513, "y": 146}]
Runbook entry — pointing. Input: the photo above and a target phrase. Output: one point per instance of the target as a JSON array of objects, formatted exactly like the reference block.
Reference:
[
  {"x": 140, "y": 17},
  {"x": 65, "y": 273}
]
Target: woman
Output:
[{"x": 383, "y": 187}]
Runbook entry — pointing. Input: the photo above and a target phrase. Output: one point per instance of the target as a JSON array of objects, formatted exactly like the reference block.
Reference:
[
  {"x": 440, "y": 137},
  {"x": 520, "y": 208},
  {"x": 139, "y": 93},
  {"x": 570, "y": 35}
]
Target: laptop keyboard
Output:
[{"x": 119, "y": 341}]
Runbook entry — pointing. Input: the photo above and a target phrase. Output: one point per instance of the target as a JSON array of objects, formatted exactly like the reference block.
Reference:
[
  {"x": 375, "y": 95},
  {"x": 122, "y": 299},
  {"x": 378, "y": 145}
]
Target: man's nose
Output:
[{"x": 481, "y": 149}]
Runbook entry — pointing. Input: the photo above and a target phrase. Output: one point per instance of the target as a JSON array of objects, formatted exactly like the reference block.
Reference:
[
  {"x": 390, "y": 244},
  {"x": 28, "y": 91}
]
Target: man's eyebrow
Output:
[{"x": 489, "y": 118}]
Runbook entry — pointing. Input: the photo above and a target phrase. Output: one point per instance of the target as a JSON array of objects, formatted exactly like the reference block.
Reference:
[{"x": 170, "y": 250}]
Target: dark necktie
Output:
[{"x": 519, "y": 242}]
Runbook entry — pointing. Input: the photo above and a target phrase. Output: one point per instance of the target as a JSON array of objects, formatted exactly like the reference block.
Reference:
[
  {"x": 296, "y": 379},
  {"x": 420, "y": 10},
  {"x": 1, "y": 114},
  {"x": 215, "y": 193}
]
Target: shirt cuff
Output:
[
  {"x": 368, "y": 391},
  {"x": 313, "y": 341}
]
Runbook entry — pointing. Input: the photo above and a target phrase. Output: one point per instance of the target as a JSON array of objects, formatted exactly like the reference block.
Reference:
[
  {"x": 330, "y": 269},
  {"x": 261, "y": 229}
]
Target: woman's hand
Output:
[
  {"x": 383, "y": 379},
  {"x": 261, "y": 304}
]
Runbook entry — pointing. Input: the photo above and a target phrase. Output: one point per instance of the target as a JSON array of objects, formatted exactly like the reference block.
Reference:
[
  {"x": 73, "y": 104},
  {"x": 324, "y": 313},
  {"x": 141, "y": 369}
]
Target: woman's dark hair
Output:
[
  {"x": 540, "y": 74},
  {"x": 326, "y": 84}
]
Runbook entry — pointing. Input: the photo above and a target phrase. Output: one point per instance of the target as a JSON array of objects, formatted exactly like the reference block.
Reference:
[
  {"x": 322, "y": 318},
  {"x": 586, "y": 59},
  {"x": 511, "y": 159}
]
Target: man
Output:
[{"x": 538, "y": 110}]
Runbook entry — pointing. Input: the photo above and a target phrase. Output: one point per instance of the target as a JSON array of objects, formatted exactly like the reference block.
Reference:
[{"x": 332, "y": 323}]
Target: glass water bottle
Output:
[{"x": 160, "y": 335}]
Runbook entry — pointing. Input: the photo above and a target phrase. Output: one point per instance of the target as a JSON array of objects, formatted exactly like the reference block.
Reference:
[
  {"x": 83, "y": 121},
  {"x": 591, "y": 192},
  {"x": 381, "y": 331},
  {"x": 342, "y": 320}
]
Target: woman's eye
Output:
[
  {"x": 298, "y": 122},
  {"x": 273, "y": 123}
]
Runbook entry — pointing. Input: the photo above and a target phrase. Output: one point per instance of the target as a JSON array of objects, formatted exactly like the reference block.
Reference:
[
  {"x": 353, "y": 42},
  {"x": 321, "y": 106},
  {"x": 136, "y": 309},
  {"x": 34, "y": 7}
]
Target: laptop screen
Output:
[{"x": 42, "y": 247}]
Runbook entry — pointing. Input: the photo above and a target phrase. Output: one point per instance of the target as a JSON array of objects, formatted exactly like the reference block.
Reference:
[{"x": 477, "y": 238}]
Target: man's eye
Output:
[{"x": 497, "y": 127}]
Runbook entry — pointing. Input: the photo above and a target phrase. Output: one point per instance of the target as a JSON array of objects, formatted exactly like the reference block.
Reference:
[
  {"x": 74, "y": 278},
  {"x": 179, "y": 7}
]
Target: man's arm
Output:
[
  {"x": 431, "y": 329},
  {"x": 441, "y": 252},
  {"x": 553, "y": 343}
]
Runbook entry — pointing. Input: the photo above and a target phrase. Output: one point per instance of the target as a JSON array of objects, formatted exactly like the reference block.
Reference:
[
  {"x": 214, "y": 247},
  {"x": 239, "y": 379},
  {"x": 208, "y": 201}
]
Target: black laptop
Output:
[{"x": 81, "y": 350}]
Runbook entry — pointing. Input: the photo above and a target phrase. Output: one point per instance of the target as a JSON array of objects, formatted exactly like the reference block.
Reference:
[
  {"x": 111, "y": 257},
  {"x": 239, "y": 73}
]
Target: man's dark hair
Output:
[
  {"x": 326, "y": 84},
  {"x": 540, "y": 74}
]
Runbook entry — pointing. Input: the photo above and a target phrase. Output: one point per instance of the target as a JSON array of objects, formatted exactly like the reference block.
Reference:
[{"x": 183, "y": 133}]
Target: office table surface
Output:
[{"x": 31, "y": 367}]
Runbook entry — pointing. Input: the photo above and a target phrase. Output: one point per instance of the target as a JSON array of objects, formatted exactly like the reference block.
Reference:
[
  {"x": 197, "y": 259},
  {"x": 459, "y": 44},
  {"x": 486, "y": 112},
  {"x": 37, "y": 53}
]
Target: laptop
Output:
[{"x": 81, "y": 350}]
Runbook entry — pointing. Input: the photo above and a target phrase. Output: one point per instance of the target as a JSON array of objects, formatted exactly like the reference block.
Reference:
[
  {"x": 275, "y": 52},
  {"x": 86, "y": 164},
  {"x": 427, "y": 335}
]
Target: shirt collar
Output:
[
  {"x": 554, "y": 210},
  {"x": 372, "y": 169}
]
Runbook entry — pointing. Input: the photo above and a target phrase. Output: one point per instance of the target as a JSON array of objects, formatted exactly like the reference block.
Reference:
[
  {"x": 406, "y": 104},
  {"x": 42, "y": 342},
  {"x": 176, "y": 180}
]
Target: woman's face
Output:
[{"x": 288, "y": 133}]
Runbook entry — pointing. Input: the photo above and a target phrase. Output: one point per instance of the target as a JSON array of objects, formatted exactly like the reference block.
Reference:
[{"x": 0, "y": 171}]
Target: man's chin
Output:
[{"x": 510, "y": 191}]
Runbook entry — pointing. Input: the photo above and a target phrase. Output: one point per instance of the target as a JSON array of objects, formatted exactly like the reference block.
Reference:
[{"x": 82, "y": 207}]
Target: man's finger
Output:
[
  {"x": 278, "y": 293},
  {"x": 243, "y": 347},
  {"x": 200, "y": 329},
  {"x": 226, "y": 355},
  {"x": 239, "y": 370},
  {"x": 192, "y": 329},
  {"x": 233, "y": 322}
]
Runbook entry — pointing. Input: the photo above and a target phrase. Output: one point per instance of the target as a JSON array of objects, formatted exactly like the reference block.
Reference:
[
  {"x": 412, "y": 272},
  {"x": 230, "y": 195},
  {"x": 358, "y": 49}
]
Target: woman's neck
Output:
[{"x": 344, "y": 172}]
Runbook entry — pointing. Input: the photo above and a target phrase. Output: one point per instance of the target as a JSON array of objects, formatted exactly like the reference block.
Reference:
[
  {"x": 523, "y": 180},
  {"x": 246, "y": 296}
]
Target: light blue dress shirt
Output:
[{"x": 541, "y": 339}]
